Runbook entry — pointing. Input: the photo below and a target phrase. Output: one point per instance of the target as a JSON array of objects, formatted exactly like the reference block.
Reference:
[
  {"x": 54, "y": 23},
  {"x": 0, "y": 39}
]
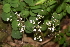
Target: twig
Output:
[{"x": 46, "y": 41}]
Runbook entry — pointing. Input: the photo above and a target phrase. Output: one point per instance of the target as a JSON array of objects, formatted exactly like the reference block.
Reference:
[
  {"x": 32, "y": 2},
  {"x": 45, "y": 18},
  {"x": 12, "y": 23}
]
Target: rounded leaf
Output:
[{"x": 6, "y": 8}]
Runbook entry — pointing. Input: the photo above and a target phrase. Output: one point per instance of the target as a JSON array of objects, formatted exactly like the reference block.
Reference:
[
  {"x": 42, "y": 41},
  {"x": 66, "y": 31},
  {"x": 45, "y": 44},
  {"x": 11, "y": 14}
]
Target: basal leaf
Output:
[
  {"x": 5, "y": 16},
  {"x": 16, "y": 34},
  {"x": 24, "y": 13},
  {"x": 28, "y": 24},
  {"x": 29, "y": 27},
  {"x": 6, "y": 8},
  {"x": 15, "y": 25}
]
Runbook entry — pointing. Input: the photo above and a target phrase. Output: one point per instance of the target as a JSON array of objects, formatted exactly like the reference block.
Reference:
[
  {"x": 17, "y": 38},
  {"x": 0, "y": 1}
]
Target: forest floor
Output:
[{"x": 7, "y": 41}]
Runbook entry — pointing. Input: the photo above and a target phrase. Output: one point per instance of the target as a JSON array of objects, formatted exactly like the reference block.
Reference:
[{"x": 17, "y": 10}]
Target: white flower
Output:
[
  {"x": 8, "y": 19},
  {"x": 39, "y": 36},
  {"x": 34, "y": 38},
  {"x": 17, "y": 20},
  {"x": 38, "y": 15},
  {"x": 30, "y": 21},
  {"x": 23, "y": 26},
  {"x": 33, "y": 22},
  {"x": 42, "y": 16},
  {"x": 52, "y": 29},
  {"x": 42, "y": 10},
  {"x": 39, "y": 30},
  {"x": 39, "y": 22},
  {"x": 20, "y": 18},
  {"x": 48, "y": 23},
  {"x": 40, "y": 27},
  {"x": 10, "y": 16},
  {"x": 40, "y": 39},
  {"x": 16, "y": 13},
  {"x": 22, "y": 29},
  {"x": 34, "y": 30},
  {"x": 18, "y": 24},
  {"x": 48, "y": 35},
  {"x": 52, "y": 16},
  {"x": 55, "y": 36},
  {"x": 49, "y": 28},
  {"x": 36, "y": 18}
]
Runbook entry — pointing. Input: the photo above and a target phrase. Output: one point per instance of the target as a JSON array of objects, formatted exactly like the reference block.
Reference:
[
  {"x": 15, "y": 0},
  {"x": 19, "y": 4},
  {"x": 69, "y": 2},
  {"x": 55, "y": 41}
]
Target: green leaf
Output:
[
  {"x": 61, "y": 7},
  {"x": 68, "y": 1},
  {"x": 57, "y": 22},
  {"x": 15, "y": 25},
  {"x": 44, "y": 12},
  {"x": 16, "y": 34},
  {"x": 32, "y": 14},
  {"x": 56, "y": 16},
  {"x": 61, "y": 15},
  {"x": 29, "y": 30},
  {"x": 48, "y": 9},
  {"x": 52, "y": 6},
  {"x": 24, "y": 13},
  {"x": 36, "y": 11},
  {"x": 6, "y": 8},
  {"x": 15, "y": 3},
  {"x": 45, "y": 21},
  {"x": 5, "y": 16},
  {"x": 61, "y": 34},
  {"x": 32, "y": 18},
  {"x": 29, "y": 27},
  {"x": 61, "y": 41},
  {"x": 29, "y": 2},
  {"x": 22, "y": 4},
  {"x": 68, "y": 9},
  {"x": 51, "y": 2},
  {"x": 28, "y": 24},
  {"x": 35, "y": 7},
  {"x": 44, "y": 27},
  {"x": 68, "y": 34},
  {"x": 40, "y": 2}
]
